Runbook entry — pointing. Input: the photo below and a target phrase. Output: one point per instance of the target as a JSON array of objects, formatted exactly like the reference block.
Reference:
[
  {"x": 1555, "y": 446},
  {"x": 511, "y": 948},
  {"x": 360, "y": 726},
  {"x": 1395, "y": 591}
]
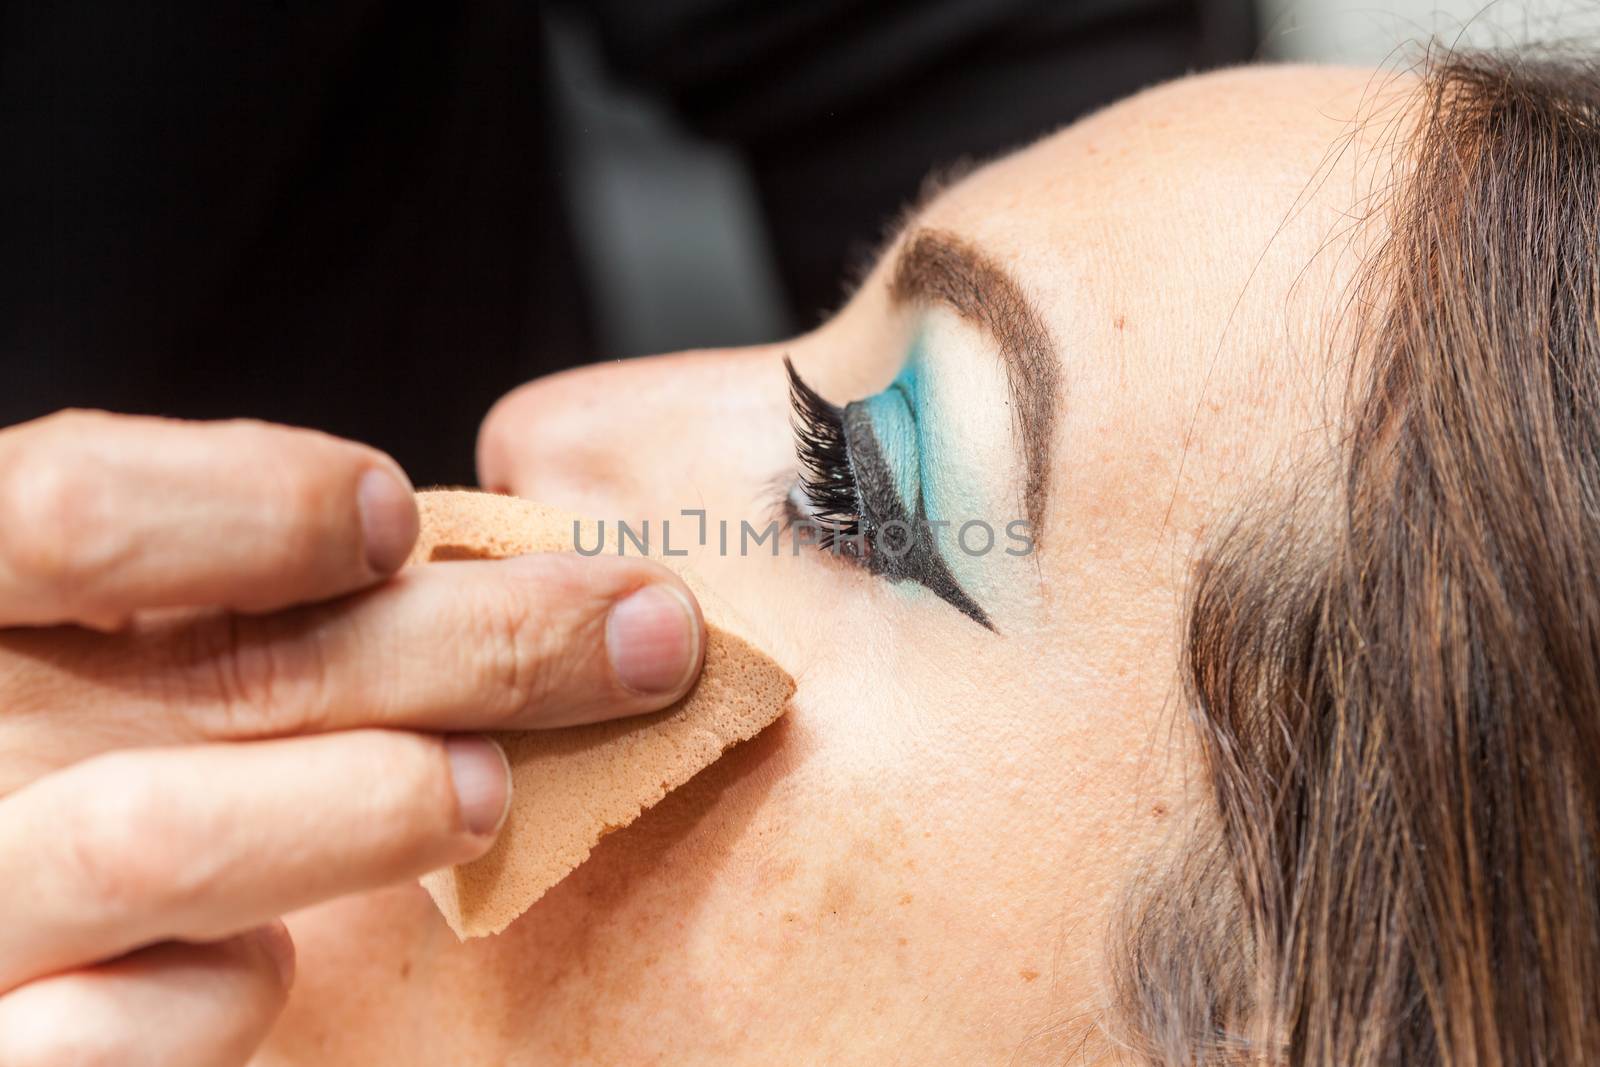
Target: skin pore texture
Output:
[{"x": 922, "y": 861}]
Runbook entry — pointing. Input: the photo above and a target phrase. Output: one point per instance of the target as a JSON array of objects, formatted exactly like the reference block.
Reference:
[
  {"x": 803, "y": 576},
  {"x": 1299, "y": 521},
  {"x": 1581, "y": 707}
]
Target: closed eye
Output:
[{"x": 861, "y": 502}]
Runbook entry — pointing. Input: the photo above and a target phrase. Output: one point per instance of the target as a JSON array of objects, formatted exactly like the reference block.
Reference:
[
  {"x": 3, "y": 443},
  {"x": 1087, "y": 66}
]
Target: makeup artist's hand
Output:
[{"x": 214, "y": 710}]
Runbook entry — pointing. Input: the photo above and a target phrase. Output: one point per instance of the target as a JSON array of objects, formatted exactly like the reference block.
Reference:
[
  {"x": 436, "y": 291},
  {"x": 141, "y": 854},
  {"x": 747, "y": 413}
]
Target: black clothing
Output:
[{"x": 349, "y": 215}]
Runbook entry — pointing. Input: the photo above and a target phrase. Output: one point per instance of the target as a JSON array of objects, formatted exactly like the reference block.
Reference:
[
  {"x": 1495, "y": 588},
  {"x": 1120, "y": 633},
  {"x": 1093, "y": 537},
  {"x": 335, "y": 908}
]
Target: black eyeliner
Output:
[
  {"x": 914, "y": 556},
  {"x": 853, "y": 498}
]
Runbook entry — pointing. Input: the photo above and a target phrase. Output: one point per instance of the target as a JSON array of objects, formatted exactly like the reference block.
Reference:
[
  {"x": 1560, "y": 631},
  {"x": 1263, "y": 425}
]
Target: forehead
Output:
[
  {"x": 1231, "y": 158},
  {"x": 1190, "y": 248}
]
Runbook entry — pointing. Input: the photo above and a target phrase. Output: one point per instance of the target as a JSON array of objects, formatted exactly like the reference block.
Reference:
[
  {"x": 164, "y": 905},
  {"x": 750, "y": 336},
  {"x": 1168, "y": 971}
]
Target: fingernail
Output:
[
  {"x": 388, "y": 518},
  {"x": 653, "y": 639},
  {"x": 482, "y": 777}
]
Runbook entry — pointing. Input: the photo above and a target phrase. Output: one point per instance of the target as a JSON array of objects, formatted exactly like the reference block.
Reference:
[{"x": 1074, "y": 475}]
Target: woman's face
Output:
[{"x": 1114, "y": 335}]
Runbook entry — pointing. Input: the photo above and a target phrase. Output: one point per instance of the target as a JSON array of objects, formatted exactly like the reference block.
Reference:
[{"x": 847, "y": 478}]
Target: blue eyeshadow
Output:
[
  {"x": 888, "y": 445},
  {"x": 893, "y": 416}
]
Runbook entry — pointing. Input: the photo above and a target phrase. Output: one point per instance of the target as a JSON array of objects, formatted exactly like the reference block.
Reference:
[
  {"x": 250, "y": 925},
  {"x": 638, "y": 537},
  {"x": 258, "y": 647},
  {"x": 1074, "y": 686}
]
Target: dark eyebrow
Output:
[{"x": 936, "y": 267}]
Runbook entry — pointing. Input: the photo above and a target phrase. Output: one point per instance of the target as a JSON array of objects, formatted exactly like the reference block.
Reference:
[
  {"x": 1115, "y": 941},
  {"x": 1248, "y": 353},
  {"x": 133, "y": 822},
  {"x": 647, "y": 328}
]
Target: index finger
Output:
[
  {"x": 105, "y": 515},
  {"x": 531, "y": 642}
]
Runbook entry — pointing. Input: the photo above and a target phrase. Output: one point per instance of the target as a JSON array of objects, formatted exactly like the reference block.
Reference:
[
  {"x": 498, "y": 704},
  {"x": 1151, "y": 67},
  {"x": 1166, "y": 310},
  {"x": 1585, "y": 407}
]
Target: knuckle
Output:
[
  {"x": 258, "y": 678},
  {"x": 508, "y": 643},
  {"x": 415, "y": 770},
  {"x": 124, "y": 841},
  {"x": 307, "y": 484},
  {"x": 305, "y": 493},
  {"x": 305, "y": 479},
  {"x": 55, "y": 534}
]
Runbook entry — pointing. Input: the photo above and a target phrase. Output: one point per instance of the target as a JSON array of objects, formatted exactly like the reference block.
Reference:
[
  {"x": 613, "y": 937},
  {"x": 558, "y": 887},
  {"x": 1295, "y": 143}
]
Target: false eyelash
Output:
[
  {"x": 835, "y": 508},
  {"x": 826, "y": 477}
]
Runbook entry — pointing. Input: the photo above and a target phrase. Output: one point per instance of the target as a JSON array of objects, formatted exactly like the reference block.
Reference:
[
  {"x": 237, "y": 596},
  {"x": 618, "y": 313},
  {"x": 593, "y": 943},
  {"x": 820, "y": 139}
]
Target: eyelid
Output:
[
  {"x": 892, "y": 415},
  {"x": 844, "y": 475}
]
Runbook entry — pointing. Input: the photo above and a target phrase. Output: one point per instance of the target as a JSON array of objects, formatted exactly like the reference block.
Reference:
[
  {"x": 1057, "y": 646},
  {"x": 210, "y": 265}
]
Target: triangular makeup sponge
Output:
[{"x": 574, "y": 785}]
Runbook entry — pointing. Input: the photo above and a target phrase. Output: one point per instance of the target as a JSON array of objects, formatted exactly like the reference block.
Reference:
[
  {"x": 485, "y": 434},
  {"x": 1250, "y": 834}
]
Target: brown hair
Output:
[{"x": 1395, "y": 677}]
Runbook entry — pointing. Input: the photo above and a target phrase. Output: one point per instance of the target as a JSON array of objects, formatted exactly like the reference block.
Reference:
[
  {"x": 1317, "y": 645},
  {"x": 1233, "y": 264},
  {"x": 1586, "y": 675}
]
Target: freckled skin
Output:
[{"x": 919, "y": 864}]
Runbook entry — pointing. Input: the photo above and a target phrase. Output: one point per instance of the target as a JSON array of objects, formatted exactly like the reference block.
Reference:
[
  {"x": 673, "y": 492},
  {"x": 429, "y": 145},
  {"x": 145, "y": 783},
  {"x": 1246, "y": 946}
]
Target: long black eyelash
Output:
[
  {"x": 825, "y": 474},
  {"x": 837, "y": 508}
]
